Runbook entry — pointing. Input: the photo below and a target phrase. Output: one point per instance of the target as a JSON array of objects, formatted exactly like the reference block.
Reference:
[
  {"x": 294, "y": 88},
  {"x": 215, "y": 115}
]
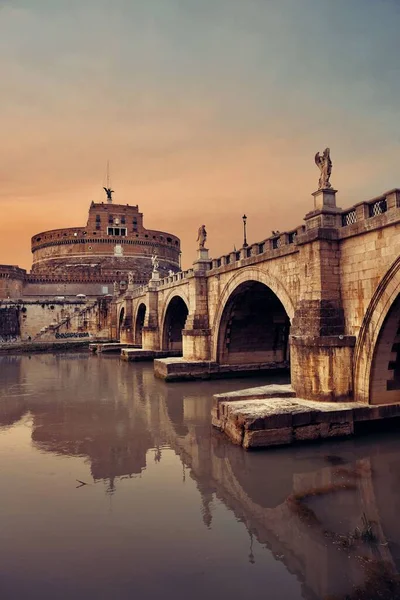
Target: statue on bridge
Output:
[
  {"x": 131, "y": 280},
  {"x": 155, "y": 263},
  {"x": 202, "y": 236},
  {"x": 324, "y": 163}
]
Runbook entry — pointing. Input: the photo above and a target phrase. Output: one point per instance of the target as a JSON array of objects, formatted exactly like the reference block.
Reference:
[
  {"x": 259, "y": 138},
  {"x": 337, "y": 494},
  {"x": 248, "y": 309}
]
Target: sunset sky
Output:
[{"x": 206, "y": 109}]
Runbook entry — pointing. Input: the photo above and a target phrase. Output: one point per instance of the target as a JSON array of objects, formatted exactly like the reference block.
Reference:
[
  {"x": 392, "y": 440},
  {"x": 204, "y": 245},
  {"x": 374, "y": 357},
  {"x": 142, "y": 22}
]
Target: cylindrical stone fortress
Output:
[{"x": 113, "y": 243}]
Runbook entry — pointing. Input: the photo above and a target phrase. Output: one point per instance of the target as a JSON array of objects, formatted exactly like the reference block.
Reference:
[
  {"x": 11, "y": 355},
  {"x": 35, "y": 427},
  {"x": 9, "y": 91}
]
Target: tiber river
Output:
[{"x": 114, "y": 486}]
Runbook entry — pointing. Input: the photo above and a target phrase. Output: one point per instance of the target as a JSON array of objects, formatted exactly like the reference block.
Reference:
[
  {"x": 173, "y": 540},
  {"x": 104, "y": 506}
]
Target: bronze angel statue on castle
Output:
[{"x": 324, "y": 164}]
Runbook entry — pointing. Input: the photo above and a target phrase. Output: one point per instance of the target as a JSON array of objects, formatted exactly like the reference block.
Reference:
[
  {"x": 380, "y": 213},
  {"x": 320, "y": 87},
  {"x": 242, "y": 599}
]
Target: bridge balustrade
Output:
[
  {"x": 371, "y": 208},
  {"x": 378, "y": 207},
  {"x": 350, "y": 217}
]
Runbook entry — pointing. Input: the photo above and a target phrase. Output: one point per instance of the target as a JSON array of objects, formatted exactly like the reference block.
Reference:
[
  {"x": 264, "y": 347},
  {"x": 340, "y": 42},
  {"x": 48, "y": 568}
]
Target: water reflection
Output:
[{"x": 328, "y": 513}]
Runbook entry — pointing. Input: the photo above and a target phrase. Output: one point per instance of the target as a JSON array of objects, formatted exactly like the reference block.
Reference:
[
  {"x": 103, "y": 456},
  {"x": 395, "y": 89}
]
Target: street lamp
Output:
[{"x": 245, "y": 244}]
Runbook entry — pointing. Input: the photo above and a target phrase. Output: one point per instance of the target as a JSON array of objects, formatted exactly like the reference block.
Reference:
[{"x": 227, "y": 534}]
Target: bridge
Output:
[{"x": 322, "y": 299}]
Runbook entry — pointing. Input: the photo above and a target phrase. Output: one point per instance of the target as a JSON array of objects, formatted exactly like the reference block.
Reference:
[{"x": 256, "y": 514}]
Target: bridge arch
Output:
[
  {"x": 376, "y": 364},
  {"x": 174, "y": 315},
  {"x": 140, "y": 316},
  {"x": 252, "y": 320},
  {"x": 121, "y": 318}
]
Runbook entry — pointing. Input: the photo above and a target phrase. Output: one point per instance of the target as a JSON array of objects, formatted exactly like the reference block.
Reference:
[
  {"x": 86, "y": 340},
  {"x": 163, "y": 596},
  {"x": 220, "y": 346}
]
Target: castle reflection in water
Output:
[{"x": 301, "y": 503}]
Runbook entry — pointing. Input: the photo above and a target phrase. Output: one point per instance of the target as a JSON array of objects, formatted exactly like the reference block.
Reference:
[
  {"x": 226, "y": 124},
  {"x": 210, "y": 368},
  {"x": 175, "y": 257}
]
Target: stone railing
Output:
[
  {"x": 371, "y": 208},
  {"x": 274, "y": 242},
  {"x": 141, "y": 290},
  {"x": 179, "y": 276}
]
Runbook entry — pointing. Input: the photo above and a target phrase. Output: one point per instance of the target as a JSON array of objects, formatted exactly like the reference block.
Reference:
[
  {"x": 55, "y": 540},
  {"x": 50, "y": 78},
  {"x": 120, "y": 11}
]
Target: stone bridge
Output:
[{"x": 323, "y": 298}]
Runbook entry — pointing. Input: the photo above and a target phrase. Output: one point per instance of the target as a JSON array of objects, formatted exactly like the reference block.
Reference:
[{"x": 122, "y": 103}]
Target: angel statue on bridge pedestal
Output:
[
  {"x": 324, "y": 164},
  {"x": 155, "y": 263},
  {"x": 130, "y": 278},
  {"x": 202, "y": 236}
]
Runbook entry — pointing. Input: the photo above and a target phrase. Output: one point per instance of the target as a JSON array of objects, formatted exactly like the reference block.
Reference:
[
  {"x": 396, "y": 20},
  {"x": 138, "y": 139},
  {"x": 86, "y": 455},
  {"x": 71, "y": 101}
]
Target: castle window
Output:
[
  {"x": 110, "y": 219},
  {"x": 169, "y": 239},
  {"x": 116, "y": 231},
  {"x": 123, "y": 219},
  {"x": 98, "y": 218}
]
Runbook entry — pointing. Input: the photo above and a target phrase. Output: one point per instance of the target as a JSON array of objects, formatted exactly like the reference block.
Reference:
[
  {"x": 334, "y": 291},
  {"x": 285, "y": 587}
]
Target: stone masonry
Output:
[{"x": 323, "y": 296}]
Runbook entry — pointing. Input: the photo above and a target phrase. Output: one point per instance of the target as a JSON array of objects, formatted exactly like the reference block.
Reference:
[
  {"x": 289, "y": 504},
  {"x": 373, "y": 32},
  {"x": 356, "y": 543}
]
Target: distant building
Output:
[{"x": 88, "y": 260}]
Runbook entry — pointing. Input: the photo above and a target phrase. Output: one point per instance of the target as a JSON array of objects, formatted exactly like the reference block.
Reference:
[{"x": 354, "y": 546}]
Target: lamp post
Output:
[{"x": 245, "y": 244}]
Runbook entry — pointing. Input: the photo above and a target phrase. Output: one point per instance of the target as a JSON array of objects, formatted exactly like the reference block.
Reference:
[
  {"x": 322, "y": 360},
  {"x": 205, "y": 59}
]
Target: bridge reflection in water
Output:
[{"x": 320, "y": 521}]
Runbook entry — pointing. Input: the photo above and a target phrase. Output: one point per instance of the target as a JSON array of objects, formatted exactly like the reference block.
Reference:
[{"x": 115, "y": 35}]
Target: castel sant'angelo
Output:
[{"x": 89, "y": 260}]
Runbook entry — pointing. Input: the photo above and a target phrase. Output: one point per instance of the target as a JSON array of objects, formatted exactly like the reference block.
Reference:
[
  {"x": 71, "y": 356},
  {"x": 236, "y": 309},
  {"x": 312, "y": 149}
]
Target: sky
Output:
[{"x": 206, "y": 109}]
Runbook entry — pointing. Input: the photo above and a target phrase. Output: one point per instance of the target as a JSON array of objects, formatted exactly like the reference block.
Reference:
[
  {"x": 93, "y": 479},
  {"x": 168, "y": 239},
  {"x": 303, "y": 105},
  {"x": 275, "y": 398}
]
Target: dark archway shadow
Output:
[
  {"x": 141, "y": 314},
  {"x": 254, "y": 327},
  {"x": 120, "y": 321},
  {"x": 174, "y": 323},
  {"x": 385, "y": 369}
]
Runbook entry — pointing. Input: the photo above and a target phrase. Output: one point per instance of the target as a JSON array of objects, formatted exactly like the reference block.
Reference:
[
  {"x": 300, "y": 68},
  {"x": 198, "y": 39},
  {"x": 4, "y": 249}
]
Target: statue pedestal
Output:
[
  {"x": 325, "y": 198},
  {"x": 325, "y": 213},
  {"x": 203, "y": 261},
  {"x": 155, "y": 279},
  {"x": 202, "y": 254}
]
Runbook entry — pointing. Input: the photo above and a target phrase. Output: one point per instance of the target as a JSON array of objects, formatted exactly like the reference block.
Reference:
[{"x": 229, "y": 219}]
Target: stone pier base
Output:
[
  {"x": 178, "y": 369},
  {"x": 138, "y": 355},
  {"x": 269, "y": 416},
  {"x": 110, "y": 347}
]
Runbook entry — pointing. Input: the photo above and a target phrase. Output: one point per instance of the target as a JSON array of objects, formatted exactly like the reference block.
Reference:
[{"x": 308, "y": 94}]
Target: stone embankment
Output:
[
  {"x": 29, "y": 347},
  {"x": 272, "y": 416}
]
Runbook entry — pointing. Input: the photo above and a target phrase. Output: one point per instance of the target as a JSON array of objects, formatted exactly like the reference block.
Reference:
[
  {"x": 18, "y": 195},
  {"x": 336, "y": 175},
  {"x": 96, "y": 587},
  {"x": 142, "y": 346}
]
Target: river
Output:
[{"x": 115, "y": 486}]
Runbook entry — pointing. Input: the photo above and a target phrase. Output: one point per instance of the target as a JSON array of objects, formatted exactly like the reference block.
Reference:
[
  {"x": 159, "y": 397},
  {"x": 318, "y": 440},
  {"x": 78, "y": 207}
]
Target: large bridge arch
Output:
[
  {"x": 376, "y": 359},
  {"x": 173, "y": 319},
  {"x": 246, "y": 293}
]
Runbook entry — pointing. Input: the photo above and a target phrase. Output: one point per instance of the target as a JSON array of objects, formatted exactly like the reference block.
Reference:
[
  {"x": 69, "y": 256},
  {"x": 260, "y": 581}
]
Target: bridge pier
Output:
[
  {"x": 196, "y": 337},
  {"x": 126, "y": 324},
  {"x": 150, "y": 330},
  {"x": 196, "y": 344},
  {"x": 321, "y": 367},
  {"x": 150, "y": 338},
  {"x": 321, "y": 353}
]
